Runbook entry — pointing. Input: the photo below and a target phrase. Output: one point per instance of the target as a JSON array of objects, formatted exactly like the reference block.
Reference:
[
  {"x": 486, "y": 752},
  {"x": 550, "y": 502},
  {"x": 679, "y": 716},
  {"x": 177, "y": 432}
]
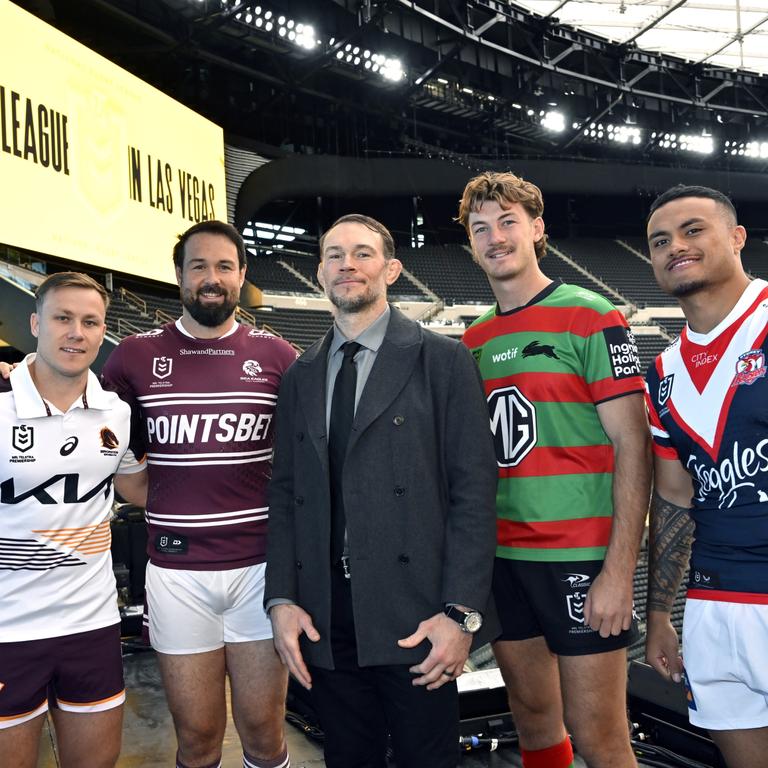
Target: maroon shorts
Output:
[{"x": 76, "y": 673}]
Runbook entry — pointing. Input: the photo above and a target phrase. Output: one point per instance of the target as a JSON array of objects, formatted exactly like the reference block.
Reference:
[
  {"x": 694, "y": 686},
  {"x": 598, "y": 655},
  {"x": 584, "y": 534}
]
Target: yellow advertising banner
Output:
[{"x": 96, "y": 166}]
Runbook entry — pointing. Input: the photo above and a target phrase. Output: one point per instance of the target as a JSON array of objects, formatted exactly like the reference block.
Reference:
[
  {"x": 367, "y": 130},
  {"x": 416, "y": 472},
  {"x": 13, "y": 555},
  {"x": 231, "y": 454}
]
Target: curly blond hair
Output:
[{"x": 503, "y": 188}]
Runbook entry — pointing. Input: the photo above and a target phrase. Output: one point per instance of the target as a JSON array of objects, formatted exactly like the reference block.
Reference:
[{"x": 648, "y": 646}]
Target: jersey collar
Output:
[{"x": 30, "y": 404}]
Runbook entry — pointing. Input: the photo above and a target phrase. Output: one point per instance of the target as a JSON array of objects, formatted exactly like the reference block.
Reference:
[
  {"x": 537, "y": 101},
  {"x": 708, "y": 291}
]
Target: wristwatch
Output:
[{"x": 469, "y": 621}]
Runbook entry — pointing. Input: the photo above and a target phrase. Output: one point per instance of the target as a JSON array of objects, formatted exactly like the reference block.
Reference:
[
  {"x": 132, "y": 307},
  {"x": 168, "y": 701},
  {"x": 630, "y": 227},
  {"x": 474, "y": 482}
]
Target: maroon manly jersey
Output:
[{"x": 204, "y": 409}]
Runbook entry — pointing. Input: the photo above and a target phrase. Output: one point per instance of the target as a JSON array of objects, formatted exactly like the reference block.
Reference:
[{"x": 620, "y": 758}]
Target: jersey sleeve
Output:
[
  {"x": 611, "y": 362},
  {"x": 114, "y": 379},
  {"x": 288, "y": 355},
  {"x": 662, "y": 445},
  {"x": 130, "y": 465}
]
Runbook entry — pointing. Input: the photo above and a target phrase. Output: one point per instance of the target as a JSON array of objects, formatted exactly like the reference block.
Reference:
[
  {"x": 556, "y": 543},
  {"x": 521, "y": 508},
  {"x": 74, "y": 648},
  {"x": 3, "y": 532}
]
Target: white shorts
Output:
[
  {"x": 199, "y": 611},
  {"x": 725, "y": 651}
]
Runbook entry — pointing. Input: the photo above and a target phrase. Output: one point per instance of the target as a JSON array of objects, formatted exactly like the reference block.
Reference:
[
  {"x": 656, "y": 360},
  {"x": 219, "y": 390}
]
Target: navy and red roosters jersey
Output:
[{"x": 708, "y": 403}]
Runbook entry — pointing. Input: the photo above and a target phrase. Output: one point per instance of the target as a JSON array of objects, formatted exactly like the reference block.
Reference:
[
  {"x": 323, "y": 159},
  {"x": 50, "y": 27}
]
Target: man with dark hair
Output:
[
  {"x": 565, "y": 397},
  {"x": 203, "y": 391},
  {"x": 211, "y": 227},
  {"x": 707, "y": 395},
  {"x": 724, "y": 204},
  {"x": 64, "y": 438},
  {"x": 382, "y": 524}
]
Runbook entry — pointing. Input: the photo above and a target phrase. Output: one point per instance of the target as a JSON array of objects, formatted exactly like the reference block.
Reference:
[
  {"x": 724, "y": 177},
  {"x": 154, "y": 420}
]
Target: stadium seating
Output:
[
  {"x": 559, "y": 269},
  {"x": 755, "y": 258},
  {"x": 648, "y": 346},
  {"x": 269, "y": 274},
  {"x": 301, "y": 326},
  {"x": 672, "y": 325},
  {"x": 618, "y": 267},
  {"x": 448, "y": 271}
]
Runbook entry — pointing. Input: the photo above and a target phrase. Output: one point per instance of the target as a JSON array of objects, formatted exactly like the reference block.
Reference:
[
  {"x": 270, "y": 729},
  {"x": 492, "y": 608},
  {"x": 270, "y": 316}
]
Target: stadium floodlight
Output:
[
  {"x": 618, "y": 134},
  {"x": 625, "y": 134},
  {"x": 753, "y": 149},
  {"x": 392, "y": 69},
  {"x": 300, "y": 34},
  {"x": 553, "y": 121},
  {"x": 703, "y": 145}
]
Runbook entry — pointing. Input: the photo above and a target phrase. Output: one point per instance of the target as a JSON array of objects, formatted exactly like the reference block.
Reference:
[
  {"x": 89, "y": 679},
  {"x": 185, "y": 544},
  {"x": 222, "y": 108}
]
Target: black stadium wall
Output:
[{"x": 305, "y": 176}]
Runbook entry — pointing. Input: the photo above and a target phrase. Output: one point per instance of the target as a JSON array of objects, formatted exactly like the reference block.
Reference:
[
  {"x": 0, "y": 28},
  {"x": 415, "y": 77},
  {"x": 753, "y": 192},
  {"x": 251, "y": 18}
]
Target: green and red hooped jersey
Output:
[{"x": 546, "y": 366}]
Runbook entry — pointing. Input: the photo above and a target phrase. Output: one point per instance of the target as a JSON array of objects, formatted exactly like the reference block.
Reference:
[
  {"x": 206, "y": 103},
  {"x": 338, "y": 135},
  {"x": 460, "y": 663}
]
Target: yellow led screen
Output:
[{"x": 95, "y": 165}]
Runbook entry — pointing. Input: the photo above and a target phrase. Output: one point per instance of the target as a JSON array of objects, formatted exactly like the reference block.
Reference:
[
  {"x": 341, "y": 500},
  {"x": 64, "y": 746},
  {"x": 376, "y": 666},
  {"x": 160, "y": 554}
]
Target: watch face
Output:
[{"x": 473, "y": 621}]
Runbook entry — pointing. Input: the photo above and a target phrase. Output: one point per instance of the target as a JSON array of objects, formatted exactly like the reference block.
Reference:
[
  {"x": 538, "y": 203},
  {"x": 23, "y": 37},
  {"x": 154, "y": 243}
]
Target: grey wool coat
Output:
[{"x": 419, "y": 494}]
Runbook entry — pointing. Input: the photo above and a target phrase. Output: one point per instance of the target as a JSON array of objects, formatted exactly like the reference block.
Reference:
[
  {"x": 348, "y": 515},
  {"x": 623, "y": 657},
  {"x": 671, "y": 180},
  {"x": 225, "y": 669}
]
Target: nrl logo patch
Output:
[
  {"x": 575, "y": 603},
  {"x": 665, "y": 388},
  {"x": 162, "y": 367},
  {"x": 23, "y": 437}
]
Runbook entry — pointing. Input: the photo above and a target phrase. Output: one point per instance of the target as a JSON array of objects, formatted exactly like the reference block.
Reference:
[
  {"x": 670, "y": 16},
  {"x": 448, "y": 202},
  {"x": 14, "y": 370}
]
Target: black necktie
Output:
[{"x": 342, "y": 415}]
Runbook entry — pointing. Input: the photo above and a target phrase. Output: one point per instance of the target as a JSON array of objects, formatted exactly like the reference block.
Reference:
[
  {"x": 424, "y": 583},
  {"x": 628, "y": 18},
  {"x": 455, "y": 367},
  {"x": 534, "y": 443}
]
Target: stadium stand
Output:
[
  {"x": 618, "y": 267},
  {"x": 449, "y": 271},
  {"x": 559, "y": 269},
  {"x": 755, "y": 258},
  {"x": 270, "y": 274},
  {"x": 301, "y": 326},
  {"x": 648, "y": 346},
  {"x": 672, "y": 325}
]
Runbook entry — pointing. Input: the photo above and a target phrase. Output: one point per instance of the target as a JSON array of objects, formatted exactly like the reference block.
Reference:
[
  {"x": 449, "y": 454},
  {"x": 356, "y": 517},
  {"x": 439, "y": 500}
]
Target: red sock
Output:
[{"x": 558, "y": 756}]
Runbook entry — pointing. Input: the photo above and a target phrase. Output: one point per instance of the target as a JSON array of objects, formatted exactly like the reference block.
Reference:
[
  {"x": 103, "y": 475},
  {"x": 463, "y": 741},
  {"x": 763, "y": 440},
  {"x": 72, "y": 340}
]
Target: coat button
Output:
[
  {"x": 299, "y": 436},
  {"x": 299, "y": 500},
  {"x": 404, "y": 559},
  {"x": 398, "y": 421},
  {"x": 298, "y": 564},
  {"x": 399, "y": 490}
]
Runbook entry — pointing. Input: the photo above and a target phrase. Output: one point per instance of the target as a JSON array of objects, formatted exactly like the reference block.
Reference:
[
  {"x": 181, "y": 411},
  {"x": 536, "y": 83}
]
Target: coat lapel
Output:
[
  {"x": 310, "y": 383},
  {"x": 391, "y": 370}
]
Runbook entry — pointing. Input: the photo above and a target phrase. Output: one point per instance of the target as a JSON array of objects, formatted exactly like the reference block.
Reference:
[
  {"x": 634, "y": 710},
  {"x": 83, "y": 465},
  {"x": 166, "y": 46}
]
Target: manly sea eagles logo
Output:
[
  {"x": 665, "y": 388},
  {"x": 251, "y": 368},
  {"x": 749, "y": 367},
  {"x": 23, "y": 437},
  {"x": 162, "y": 367}
]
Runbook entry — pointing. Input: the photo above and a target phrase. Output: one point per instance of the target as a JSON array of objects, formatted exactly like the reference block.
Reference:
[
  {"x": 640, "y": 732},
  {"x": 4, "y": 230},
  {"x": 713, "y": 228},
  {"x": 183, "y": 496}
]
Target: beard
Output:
[
  {"x": 688, "y": 289},
  {"x": 352, "y": 304},
  {"x": 209, "y": 315}
]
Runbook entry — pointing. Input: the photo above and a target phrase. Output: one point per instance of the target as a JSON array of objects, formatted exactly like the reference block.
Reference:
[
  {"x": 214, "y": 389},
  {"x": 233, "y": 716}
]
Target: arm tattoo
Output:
[{"x": 668, "y": 552}]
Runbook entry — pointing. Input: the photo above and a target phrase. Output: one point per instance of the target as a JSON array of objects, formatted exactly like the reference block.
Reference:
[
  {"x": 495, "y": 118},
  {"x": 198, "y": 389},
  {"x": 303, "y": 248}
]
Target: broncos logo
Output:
[
  {"x": 536, "y": 348},
  {"x": 108, "y": 439}
]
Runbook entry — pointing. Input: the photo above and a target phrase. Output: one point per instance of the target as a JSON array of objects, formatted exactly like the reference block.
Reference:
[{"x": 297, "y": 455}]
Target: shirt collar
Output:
[
  {"x": 224, "y": 335},
  {"x": 30, "y": 404},
  {"x": 371, "y": 338}
]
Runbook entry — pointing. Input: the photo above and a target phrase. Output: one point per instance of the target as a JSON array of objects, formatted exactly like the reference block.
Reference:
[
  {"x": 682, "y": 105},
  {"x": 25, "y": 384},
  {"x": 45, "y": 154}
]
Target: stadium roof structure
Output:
[
  {"x": 728, "y": 33},
  {"x": 477, "y": 82}
]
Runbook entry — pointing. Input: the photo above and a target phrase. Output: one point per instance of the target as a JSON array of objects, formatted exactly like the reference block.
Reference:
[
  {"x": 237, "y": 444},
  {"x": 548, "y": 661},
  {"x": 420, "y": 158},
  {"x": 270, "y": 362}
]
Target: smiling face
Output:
[
  {"x": 503, "y": 239},
  {"x": 353, "y": 269},
  {"x": 69, "y": 327},
  {"x": 210, "y": 279},
  {"x": 694, "y": 244}
]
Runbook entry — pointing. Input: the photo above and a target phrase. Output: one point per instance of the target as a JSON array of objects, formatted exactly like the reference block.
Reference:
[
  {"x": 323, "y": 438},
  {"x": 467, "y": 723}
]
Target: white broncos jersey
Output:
[{"x": 56, "y": 498}]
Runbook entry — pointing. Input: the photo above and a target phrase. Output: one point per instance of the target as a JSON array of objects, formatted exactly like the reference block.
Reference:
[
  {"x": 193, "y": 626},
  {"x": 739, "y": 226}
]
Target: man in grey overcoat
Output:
[{"x": 381, "y": 539}]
